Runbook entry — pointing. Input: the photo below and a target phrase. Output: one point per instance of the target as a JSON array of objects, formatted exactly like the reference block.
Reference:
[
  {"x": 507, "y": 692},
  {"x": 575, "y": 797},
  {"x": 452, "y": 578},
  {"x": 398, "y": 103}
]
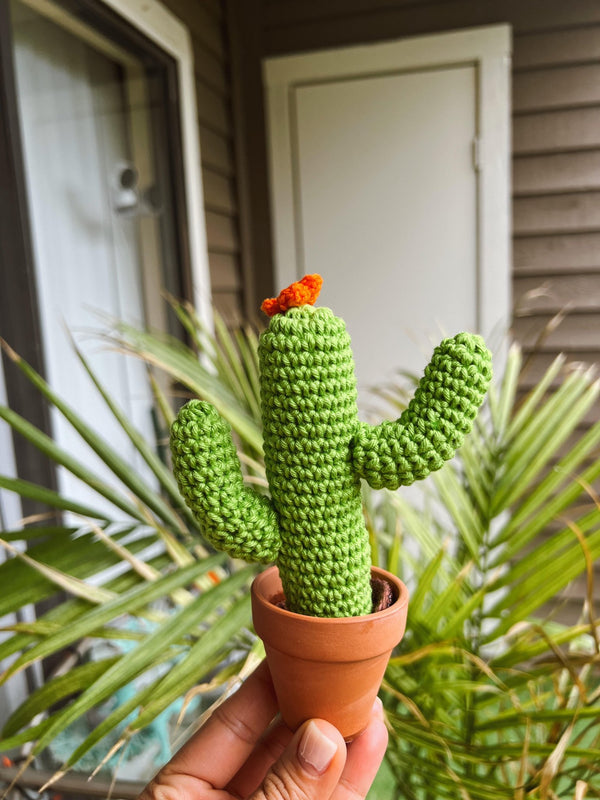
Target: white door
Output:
[
  {"x": 389, "y": 172},
  {"x": 87, "y": 256}
]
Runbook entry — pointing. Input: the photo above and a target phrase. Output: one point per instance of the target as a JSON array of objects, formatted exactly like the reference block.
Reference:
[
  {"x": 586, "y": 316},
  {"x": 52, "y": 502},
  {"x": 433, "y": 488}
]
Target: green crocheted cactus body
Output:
[
  {"x": 233, "y": 516},
  {"x": 317, "y": 452},
  {"x": 308, "y": 398},
  {"x": 433, "y": 426}
]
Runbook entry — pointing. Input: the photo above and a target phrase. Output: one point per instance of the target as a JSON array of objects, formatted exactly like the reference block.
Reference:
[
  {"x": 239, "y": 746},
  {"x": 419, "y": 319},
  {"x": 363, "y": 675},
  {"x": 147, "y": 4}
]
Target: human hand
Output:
[{"x": 243, "y": 753}]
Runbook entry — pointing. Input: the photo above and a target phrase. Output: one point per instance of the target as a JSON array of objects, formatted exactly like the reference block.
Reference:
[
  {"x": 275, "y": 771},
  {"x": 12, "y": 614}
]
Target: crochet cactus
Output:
[{"x": 317, "y": 451}]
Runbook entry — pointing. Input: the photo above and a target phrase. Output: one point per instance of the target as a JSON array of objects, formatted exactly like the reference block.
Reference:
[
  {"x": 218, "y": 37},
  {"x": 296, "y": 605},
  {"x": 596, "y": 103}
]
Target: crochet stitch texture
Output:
[{"x": 316, "y": 452}]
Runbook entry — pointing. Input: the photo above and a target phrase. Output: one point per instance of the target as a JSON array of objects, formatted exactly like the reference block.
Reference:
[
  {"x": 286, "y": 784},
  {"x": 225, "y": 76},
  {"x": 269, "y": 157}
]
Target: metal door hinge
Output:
[{"x": 476, "y": 153}]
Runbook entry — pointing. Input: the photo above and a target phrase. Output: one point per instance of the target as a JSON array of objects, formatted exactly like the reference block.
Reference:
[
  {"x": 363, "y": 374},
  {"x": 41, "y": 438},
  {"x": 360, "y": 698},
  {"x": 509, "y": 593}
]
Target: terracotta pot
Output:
[{"x": 329, "y": 668}]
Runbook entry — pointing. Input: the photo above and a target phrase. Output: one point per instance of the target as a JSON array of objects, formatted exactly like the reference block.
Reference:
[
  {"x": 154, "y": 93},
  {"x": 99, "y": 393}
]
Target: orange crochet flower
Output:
[{"x": 300, "y": 293}]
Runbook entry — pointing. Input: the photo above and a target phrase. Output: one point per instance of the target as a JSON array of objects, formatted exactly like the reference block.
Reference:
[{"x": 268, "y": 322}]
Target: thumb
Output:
[{"x": 310, "y": 766}]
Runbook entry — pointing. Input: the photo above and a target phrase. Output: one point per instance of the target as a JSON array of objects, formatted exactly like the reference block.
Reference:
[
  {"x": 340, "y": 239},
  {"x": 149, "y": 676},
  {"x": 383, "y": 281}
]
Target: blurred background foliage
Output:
[{"x": 490, "y": 694}]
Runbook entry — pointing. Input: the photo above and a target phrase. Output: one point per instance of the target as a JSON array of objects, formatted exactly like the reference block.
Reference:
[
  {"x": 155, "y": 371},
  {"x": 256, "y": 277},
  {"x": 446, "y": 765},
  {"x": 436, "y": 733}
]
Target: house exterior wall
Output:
[
  {"x": 556, "y": 142},
  {"x": 206, "y": 22}
]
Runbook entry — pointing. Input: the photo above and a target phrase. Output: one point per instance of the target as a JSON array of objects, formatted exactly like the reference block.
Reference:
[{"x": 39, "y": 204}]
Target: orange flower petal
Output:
[
  {"x": 271, "y": 306},
  {"x": 299, "y": 293}
]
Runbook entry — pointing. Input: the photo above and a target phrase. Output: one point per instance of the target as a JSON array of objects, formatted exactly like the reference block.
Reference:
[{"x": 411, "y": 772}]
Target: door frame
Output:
[
  {"x": 159, "y": 25},
  {"x": 156, "y": 23},
  {"x": 488, "y": 50}
]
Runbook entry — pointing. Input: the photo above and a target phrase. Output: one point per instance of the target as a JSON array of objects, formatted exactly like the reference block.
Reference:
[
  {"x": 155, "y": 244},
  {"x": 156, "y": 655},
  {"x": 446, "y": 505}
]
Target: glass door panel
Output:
[{"x": 103, "y": 222}]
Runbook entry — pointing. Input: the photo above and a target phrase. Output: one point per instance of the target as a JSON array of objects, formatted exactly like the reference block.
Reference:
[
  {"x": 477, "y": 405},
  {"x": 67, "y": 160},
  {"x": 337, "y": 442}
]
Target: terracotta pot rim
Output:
[
  {"x": 400, "y": 601},
  {"x": 312, "y": 638}
]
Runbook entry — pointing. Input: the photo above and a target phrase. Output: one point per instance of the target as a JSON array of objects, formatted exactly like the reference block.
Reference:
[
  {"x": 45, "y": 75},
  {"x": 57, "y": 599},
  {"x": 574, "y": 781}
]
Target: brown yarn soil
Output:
[{"x": 382, "y": 594}]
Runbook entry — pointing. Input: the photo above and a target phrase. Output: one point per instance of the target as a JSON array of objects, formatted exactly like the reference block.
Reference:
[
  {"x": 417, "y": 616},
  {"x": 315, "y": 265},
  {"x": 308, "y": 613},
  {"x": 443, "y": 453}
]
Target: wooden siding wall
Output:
[
  {"x": 556, "y": 151},
  {"x": 556, "y": 190},
  {"x": 556, "y": 140},
  {"x": 205, "y": 20}
]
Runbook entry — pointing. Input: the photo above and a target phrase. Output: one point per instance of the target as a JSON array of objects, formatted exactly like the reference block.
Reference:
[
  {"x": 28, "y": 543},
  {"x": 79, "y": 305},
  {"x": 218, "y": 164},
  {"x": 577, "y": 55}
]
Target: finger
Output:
[
  {"x": 274, "y": 741},
  {"x": 365, "y": 755},
  {"x": 309, "y": 767},
  {"x": 268, "y": 749},
  {"x": 214, "y": 754}
]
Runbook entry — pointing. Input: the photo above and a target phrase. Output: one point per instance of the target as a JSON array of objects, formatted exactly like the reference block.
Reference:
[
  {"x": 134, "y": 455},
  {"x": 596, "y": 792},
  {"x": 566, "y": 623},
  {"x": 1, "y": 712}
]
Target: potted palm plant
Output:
[
  {"x": 486, "y": 696},
  {"x": 322, "y": 604}
]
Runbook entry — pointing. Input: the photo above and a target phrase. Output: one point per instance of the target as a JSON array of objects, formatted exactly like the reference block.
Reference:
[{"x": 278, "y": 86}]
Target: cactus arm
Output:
[
  {"x": 435, "y": 422},
  {"x": 231, "y": 515}
]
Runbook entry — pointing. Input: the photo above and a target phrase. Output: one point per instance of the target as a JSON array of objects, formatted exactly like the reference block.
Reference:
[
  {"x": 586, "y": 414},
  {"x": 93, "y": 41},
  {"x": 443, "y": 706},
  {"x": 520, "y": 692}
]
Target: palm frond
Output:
[
  {"x": 486, "y": 697},
  {"x": 508, "y": 702},
  {"x": 139, "y": 577}
]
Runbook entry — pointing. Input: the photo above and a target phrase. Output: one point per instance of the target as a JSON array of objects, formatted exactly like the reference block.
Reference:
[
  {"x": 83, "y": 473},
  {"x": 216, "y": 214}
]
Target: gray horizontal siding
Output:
[
  {"x": 557, "y": 293},
  {"x": 555, "y": 173},
  {"x": 299, "y": 25},
  {"x": 556, "y": 253},
  {"x": 556, "y": 206},
  {"x": 576, "y": 212},
  {"x": 556, "y": 47},
  {"x": 542, "y": 332},
  {"x": 547, "y": 88},
  {"x": 206, "y": 23},
  {"x": 559, "y": 130},
  {"x": 556, "y": 133}
]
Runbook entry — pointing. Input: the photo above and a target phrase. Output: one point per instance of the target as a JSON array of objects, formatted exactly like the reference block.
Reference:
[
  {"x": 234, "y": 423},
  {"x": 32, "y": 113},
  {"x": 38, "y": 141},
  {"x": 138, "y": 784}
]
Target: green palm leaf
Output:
[
  {"x": 128, "y": 602},
  {"x": 72, "y": 682},
  {"x": 184, "y": 366},
  {"x": 484, "y": 699},
  {"x": 483, "y": 671},
  {"x": 119, "y": 467},
  {"x": 145, "y": 655}
]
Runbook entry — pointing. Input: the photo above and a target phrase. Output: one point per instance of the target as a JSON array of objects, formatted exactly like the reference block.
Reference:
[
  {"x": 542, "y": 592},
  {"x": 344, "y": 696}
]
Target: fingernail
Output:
[
  {"x": 315, "y": 749},
  {"x": 377, "y": 705}
]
